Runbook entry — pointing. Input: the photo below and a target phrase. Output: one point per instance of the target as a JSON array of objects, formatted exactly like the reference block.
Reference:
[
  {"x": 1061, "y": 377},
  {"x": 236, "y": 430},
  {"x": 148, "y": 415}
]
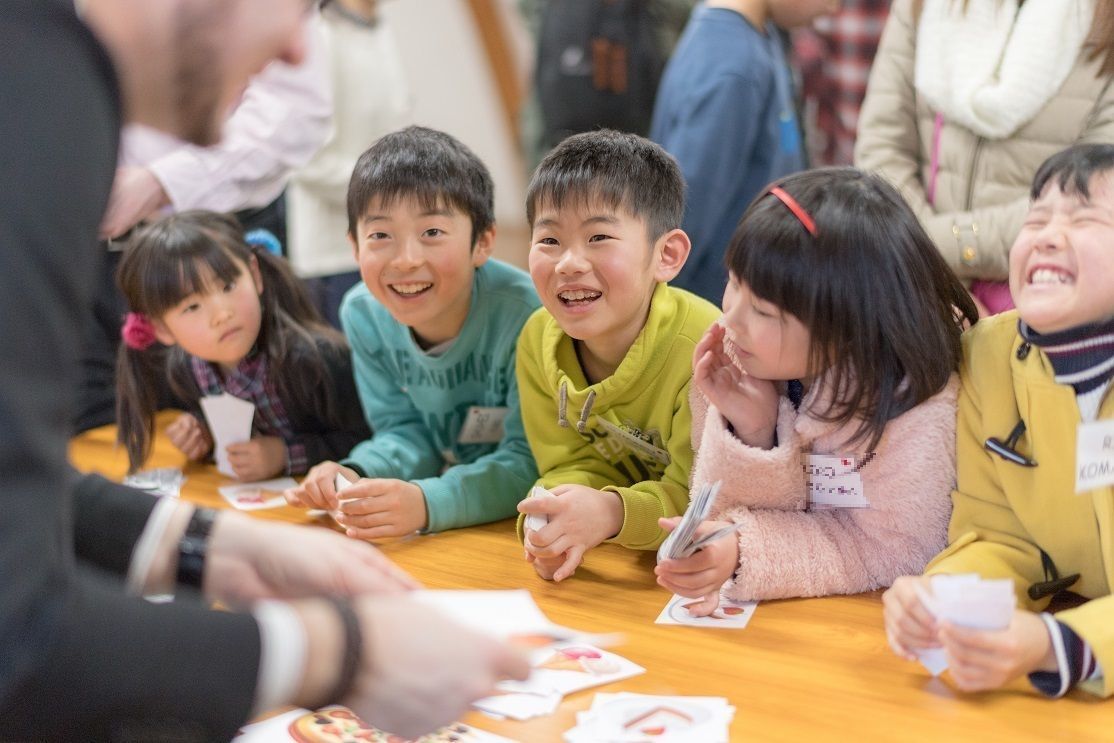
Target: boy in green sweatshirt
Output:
[
  {"x": 604, "y": 369},
  {"x": 432, "y": 330}
]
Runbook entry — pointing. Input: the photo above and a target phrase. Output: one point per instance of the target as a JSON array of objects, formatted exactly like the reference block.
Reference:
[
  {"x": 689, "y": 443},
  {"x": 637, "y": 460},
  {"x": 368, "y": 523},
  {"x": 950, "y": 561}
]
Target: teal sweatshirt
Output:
[{"x": 417, "y": 404}]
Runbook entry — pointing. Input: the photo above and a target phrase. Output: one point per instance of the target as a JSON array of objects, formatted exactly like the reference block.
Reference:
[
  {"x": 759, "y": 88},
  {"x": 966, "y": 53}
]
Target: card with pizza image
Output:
[
  {"x": 557, "y": 671},
  {"x": 336, "y": 724},
  {"x": 730, "y": 614}
]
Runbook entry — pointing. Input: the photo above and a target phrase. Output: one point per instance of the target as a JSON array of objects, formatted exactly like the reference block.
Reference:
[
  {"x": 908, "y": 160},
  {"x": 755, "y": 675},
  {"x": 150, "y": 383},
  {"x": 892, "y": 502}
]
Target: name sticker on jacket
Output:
[
  {"x": 1094, "y": 455},
  {"x": 636, "y": 444},
  {"x": 482, "y": 425},
  {"x": 834, "y": 482}
]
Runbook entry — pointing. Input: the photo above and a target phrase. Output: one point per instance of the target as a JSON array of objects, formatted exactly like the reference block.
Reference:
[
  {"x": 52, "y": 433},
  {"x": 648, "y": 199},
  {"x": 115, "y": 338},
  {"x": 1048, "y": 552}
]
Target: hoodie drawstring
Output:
[{"x": 563, "y": 405}]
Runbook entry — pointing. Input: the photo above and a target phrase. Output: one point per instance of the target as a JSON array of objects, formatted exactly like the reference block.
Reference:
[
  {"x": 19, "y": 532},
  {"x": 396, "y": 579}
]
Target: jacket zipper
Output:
[{"x": 971, "y": 174}]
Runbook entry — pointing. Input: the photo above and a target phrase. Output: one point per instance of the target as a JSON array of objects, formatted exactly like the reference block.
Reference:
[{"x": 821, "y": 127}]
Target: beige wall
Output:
[{"x": 454, "y": 90}]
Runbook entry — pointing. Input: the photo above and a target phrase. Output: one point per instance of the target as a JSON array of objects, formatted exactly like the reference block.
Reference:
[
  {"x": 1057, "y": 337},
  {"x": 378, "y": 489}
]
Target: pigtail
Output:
[
  {"x": 296, "y": 339},
  {"x": 138, "y": 371}
]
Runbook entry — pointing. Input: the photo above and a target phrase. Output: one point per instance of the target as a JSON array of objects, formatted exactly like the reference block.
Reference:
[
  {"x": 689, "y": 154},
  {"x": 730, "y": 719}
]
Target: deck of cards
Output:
[
  {"x": 557, "y": 672},
  {"x": 634, "y": 718},
  {"x": 682, "y": 541},
  {"x": 537, "y": 521},
  {"x": 968, "y": 601}
]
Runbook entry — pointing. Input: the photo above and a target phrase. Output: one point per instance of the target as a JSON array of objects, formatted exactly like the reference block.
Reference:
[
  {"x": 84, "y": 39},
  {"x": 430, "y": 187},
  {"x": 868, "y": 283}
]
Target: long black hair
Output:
[
  {"x": 180, "y": 255},
  {"x": 883, "y": 309}
]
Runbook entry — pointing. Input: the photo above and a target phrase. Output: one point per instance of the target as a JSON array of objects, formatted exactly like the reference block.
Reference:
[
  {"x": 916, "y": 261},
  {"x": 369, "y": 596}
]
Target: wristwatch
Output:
[{"x": 194, "y": 546}]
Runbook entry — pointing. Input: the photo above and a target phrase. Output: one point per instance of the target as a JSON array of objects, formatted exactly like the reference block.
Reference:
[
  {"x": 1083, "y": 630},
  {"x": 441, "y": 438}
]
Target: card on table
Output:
[
  {"x": 730, "y": 614},
  {"x": 255, "y": 496},
  {"x": 627, "y": 718},
  {"x": 229, "y": 420},
  {"x": 337, "y": 724},
  {"x": 557, "y": 671}
]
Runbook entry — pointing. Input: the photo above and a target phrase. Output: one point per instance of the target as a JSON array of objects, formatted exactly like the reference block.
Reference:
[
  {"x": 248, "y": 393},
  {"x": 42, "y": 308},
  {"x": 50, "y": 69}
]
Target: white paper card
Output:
[
  {"x": 730, "y": 614},
  {"x": 482, "y": 425},
  {"x": 637, "y": 718},
  {"x": 834, "y": 482},
  {"x": 536, "y": 521},
  {"x": 229, "y": 420},
  {"x": 969, "y": 601},
  {"x": 344, "y": 725},
  {"x": 1094, "y": 455},
  {"x": 255, "y": 496}
]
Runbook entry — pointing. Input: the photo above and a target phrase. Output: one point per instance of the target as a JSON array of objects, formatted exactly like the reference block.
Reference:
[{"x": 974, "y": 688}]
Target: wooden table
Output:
[{"x": 809, "y": 669}]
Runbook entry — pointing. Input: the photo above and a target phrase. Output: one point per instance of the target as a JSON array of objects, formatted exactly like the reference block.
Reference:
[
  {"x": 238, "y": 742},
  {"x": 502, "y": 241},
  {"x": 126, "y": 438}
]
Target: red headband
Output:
[{"x": 798, "y": 210}]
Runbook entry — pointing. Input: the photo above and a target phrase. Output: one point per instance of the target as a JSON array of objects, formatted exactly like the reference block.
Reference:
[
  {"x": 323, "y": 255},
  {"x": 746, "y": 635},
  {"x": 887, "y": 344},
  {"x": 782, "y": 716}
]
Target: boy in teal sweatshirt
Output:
[
  {"x": 604, "y": 369},
  {"x": 432, "y": 330}
]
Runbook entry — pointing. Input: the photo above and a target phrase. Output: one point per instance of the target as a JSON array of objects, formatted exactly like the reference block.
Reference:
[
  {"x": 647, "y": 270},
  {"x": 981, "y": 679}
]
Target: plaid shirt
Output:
[
  {"x": 250, "y": 381},
  {"x": 834, "y": 59}
]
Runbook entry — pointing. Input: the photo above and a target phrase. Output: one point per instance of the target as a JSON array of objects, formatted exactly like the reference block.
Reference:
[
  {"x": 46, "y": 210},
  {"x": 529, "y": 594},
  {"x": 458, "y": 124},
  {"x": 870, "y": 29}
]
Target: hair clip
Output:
[
  {"x": 264, "y": 239},
  {"x": 798, "y": 210},
  {"x": 1005, "y": 449},
  {"x": 138, "y": 332}
]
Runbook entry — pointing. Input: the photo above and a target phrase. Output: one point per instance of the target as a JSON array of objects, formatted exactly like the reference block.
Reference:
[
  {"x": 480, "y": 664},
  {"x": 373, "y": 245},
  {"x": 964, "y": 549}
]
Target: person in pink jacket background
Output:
[{"x": 824, "y": 400}]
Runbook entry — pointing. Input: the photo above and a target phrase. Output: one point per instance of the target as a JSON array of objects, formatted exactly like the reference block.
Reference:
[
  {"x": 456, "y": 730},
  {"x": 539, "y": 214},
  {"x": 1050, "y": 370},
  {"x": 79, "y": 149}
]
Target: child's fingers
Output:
[
  {"x": 568, "y": 567},
  {"x": 669, "y": 524},
  {"x": 292, "y": 496},
  {"x": 364, "y": 521},
  {"x": 551, "y": 549},
  {"x": 310, "y": 495},
  {"x": 375, "y": 532},
  {"x": 707, "y": 605}
]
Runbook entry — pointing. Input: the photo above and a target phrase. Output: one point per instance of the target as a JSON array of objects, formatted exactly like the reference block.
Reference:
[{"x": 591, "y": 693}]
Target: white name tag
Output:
[
  {"x": 833, "y": 482},
  {"x": 634, "y": 443},
  {"x": 482, "y": 425},
  {"x": 1094, "y": 455}
]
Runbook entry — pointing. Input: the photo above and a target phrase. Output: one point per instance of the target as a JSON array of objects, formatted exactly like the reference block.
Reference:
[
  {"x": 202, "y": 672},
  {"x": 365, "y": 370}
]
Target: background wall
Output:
[{"x": 455, "y": 90}]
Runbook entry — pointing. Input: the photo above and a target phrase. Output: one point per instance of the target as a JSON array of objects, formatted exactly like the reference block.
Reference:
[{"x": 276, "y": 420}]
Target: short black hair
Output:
[
  {"x": 618, "y": 169},
  {"x": 1073, "y": 169},
  {"x": 430, "y": 166},
  {"x": 882, "y": 307}
]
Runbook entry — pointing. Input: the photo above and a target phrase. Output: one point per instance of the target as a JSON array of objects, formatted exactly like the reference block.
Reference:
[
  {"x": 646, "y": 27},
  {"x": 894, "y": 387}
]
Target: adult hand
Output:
[
  {"x": 190, "y": 436},
  {"x": 382, "y": 508},
  {"x": 579, "y": 519},
  {"x": 318, "y": 489},
  {"x": 250, "y": 559},
  {"x": 136, "y": 195},
  {"x": 257, "y": 459},
  {"x": 910, "y": 626},
  {"x": 703, "y": 573},
  {"x": 420, "y": 671},
  {"x": 750, "y": 405},
  {"x": 979, "y": 660}
]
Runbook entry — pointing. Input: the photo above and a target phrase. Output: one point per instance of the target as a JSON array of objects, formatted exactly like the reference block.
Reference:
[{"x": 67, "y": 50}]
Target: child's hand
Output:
[
  {"x": 547, "y": 567},
  {"x": 383, "y": 508},
  {"x": 910, "y": 626},
  {"x": 257, "y": 459},
  {"x": 190, "y": 436},
  {"x": 579, "y": 518},
  {"x": 700, "y": 575},
  {"x": 318, "y": 488},
  {"x": 748, "y": 404},
  {"x": 979, "y": 660}
]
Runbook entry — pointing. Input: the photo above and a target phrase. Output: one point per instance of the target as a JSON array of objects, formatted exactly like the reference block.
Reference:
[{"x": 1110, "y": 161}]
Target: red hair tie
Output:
[
  {"x": 138, "y": 332},
  {"x": 798, "y": 210}
]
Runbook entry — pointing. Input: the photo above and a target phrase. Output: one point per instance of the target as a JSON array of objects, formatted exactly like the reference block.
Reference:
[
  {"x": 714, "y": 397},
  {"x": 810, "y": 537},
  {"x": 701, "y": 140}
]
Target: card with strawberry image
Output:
[
  {"x": 336, "y": 724},
  {"x": 730, "y": 614}
]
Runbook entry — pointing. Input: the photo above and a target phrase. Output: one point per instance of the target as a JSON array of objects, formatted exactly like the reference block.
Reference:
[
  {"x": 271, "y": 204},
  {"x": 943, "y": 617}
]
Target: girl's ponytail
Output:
[{"x": 139, "y": 371}]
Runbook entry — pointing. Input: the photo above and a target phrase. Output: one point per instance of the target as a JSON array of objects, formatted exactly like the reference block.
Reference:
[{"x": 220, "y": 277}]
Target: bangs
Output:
[
  {"x": 580, "y": 195},
  {"x": 180, "y": 265},
  {"x": 1073, "y": 169}
]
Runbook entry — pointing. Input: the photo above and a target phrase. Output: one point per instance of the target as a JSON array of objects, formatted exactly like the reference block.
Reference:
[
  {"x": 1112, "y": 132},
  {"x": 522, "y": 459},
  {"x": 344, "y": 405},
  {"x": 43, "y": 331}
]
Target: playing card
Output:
[
  {"x": 535, "y": 521},
  {"x": 730, "y": 614},
  {"x": 337, "y": 723},
  {"x": 679, "y": 542},
  {"x": 255, "y": 496},
  {"x": 637, "y": 718},
  {"x": 229, "y": 419},
  {"x": 969, "y": 601}
]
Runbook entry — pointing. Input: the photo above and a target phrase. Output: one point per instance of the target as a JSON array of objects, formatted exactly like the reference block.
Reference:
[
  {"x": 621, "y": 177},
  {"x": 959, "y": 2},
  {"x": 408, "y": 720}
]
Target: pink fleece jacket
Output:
[{"x": 786, "y": 550}]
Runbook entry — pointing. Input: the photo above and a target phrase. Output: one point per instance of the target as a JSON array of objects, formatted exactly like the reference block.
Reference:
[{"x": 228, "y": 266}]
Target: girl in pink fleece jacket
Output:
[{"x": 824, "y": 400}]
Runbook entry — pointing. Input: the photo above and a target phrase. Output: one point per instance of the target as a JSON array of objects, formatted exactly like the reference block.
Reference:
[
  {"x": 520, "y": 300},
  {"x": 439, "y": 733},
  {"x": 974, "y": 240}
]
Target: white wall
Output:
[{"x": 450, "y": 76}]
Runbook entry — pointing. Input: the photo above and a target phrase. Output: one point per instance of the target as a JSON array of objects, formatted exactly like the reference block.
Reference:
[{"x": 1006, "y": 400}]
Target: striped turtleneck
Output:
[{"x": 1082, "y": 357}]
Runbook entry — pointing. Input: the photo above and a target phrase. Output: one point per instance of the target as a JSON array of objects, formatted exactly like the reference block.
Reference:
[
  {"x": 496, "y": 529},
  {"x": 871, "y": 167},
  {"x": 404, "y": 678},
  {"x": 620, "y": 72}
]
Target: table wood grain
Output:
[{"x": 806, "y": 669}]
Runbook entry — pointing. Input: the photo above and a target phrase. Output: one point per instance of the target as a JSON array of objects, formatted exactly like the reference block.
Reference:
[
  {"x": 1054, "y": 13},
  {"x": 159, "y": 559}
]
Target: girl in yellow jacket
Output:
[{"x": 1030, "y": 505}]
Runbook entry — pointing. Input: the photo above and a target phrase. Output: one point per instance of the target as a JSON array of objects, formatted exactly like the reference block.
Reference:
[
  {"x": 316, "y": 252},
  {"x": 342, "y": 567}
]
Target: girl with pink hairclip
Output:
[{"x": 212, "y": 314}]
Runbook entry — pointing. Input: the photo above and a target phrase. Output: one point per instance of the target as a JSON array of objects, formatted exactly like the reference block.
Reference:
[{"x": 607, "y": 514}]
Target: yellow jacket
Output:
[
  {"x": 1004, "y": 514},
  {"x": 637, "y": 423}
]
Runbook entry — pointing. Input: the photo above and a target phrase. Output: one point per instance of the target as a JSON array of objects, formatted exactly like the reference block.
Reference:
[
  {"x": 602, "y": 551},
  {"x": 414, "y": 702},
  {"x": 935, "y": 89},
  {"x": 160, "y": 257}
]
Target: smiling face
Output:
[
  {"x": 1062, "y": 263},
  {"x": 766, "y": 342},
  {"x": 595, "y": 271},
  {"x": 220, "y": 322},
  {"x": 419, "y": 263}
]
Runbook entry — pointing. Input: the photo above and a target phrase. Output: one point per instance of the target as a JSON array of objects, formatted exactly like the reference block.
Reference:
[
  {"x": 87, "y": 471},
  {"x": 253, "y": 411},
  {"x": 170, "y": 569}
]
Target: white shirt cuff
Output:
[
  {"x": 282, "y": 656},
  {"x": 143, "y": 554}
]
